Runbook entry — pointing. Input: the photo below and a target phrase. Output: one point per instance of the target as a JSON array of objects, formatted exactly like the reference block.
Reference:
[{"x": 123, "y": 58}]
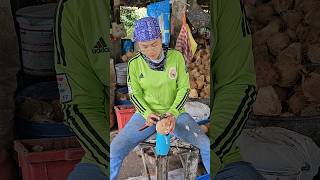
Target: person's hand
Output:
[
  {"x": 152, "y": 119},
  {"x": 172, "y": 121}
]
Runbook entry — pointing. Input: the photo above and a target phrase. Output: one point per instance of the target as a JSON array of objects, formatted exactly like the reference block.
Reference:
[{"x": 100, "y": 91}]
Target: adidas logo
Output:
[{"x": 100, "y": 47}]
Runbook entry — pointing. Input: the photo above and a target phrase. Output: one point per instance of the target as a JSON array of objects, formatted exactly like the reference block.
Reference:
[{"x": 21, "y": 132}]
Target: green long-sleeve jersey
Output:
[
  {"x": 81, "y": 37},
  {"x": 233, "y": 85},
  {"x": 154, "y": 91}
]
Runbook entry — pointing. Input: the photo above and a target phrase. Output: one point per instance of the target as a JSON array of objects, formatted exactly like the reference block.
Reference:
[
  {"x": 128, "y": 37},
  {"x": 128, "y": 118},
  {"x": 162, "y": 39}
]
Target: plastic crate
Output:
[
  {"x": 124, "y": 114},
  {"x": 54, "y": 162}
]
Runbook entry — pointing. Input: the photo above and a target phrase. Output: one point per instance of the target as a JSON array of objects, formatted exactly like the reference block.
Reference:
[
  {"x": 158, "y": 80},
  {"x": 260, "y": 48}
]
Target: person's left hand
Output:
[{"x": 172, "y": 120}]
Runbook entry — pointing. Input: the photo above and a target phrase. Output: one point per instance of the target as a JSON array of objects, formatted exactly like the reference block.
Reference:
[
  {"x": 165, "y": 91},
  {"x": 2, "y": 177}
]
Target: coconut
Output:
[
  {"x": 310, "y": 87},
  {"x": 277, "y": 42},
  {"x": 267, "y": 102},
  {"x": 289, "y": 65}
]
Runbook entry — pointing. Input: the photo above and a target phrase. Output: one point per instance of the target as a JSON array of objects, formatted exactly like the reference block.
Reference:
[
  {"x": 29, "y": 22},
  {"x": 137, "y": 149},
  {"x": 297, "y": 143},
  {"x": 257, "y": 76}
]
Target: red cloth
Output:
[{"x": 183, "y": 44}]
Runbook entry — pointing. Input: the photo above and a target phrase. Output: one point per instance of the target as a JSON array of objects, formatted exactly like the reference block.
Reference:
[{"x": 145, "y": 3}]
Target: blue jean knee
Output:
[
  {"x": 239, "y": 171},
  {"x": 85, "y": 171}
]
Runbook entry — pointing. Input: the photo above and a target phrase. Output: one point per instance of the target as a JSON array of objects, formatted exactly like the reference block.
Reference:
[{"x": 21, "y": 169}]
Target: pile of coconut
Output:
[{"x": 286, "y": 43}]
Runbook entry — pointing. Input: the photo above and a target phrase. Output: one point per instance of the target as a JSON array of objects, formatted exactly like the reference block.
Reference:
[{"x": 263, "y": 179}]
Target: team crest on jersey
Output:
[{"x": 172, "y": 73}]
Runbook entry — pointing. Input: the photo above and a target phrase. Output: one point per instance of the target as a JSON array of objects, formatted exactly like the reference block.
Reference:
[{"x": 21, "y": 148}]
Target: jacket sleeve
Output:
[
  {"x": 183, "y": 87},
  {"x": 135, "y": 91},
  {"x": 95, "y": 34},
  {"x": 233, "y": 86}
]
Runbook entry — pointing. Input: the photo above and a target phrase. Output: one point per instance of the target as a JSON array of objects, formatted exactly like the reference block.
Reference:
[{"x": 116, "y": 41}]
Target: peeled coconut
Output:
[{"x": 267, "y": 102}]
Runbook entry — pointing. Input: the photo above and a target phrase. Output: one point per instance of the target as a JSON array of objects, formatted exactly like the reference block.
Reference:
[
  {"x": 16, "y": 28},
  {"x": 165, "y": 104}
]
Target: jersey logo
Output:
[
  {"x": 141, "y": 76},
  {"x": 172, "y": 73},
  {"x": 100, "y": 47}
]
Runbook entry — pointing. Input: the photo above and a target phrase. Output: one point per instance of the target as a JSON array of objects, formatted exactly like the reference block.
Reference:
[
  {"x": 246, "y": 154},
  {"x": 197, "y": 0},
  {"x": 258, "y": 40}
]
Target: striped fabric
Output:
[
  {"x": 183, "y": 44},
  {"x": 224, "y": 142}
]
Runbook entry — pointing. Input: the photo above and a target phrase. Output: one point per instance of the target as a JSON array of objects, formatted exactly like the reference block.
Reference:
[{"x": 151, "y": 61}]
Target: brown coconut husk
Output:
[
  {"x": 277, "y": 42},
  {"x": 314, "y": 53},
  {"x": 266, "y": 73},
  {"x": 261, "y": 36},
  {"x": 292, "y": 19},
  {"x": 281, "y": 6},
  {"x": 313, "y": 36},
  {"x": 193, "y": 93},
  {"x": 292, "y": 35},
  {"x": 267, "y": 102},
  {"x": 297, "y": 101},
  {"x": 312, "y": 17},
  {"x": 264, "y": 13},
  {"x": 261, "y": 50},
  {"x": 306, "y": 5},
  {"x": 312, "y": 109},
  {"x": 302, "y": 32},
  {"x": 289, "y": 65},
  {"x": 310, "y": 87},
  {"x": 281, "y": 92}
]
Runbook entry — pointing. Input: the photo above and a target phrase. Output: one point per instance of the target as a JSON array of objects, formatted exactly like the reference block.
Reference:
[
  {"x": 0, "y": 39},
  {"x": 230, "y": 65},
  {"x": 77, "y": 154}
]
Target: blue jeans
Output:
[
  {"x": 239, "y": 171},
  {"x": 129, "y": 137},
  {"x": 85, "y": 171}
]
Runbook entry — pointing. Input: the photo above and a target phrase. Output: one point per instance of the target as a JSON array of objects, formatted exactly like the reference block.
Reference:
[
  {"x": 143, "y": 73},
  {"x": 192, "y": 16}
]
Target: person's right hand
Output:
[{"x": 152, "y": 118}]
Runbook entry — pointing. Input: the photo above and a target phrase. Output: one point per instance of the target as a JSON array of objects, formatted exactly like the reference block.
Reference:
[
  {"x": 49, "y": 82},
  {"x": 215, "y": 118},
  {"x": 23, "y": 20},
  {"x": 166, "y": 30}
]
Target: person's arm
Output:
[
  {"x": 83, "y": 68},
  {"x": 233, "y": 86},
  {"x": 98, "y": 43},
  {"x": 183, "y": 87},
  {"x": 136, "y": 92}
]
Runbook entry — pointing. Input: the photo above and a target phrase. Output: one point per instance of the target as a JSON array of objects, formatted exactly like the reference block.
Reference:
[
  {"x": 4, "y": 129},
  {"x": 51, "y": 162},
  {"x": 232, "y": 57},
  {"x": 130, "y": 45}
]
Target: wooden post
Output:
[
  {"x": 191, "y": 164},
  {"x": 146, "y": 170},
  {"x": 162, "y": 168}
]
